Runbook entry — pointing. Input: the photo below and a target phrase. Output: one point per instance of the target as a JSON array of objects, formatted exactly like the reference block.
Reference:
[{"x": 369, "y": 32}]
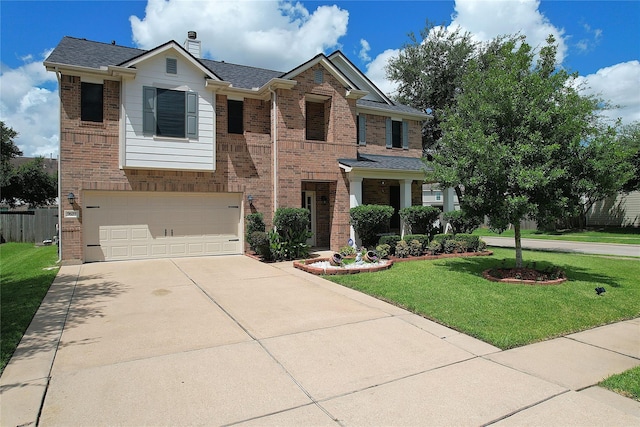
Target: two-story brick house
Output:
[{"x": 165, "y": 152}]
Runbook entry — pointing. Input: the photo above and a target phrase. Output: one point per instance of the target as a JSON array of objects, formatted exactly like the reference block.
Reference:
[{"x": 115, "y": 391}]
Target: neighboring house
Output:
[
  {"x": 433, "y": 195},
  {"x": 166, "y": 152},
  {"x": 621, "y": 210}
]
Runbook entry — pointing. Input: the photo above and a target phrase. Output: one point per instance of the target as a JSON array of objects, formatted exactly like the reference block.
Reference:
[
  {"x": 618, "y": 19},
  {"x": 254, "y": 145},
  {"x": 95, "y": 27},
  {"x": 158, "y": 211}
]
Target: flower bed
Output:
[
  {"x": 525, "y": 276},
  {"x": 321, "y": 266},
  {"x": 430, "y": 257}
]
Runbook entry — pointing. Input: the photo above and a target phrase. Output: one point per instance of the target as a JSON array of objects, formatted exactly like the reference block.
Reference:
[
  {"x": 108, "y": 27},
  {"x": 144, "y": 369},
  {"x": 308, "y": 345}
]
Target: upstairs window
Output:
[
  {"x": 397, "y": 134},
  {"x": 170, "y": 113},
  {"x": 235, "y": 116},
  {"x": 91, "y": 102}
]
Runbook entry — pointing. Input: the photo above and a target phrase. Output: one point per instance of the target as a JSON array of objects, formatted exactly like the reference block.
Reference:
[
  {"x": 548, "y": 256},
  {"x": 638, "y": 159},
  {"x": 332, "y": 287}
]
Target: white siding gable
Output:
[{"x": 148, "y": 151}]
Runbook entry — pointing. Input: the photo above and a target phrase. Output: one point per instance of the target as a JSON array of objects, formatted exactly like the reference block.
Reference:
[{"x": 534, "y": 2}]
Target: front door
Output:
[{"x": 309, "y": 203}]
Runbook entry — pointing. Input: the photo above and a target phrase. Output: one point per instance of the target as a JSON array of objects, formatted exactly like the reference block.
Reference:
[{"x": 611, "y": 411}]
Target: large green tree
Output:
[
  {"x": 429, "y": 72},
  {"x": 518, "y": 137},
  {"x": 28, "y": 183},
  {"x": 629, "y": 137}
]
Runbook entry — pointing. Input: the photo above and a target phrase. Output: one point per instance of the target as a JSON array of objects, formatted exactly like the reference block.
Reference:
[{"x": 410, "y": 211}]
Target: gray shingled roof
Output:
[
  {"x": 86, "y": 53},
  {"x": 371, "y": 161},
  {"x": 400, "y": 108},
  {"x": 241, "y": 76},
  {"x": 91, "y": 54}
]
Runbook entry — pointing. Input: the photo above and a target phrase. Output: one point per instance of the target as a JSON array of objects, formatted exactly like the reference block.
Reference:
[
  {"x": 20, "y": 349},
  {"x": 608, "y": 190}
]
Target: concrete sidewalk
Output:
[
  {"x": 567, "y": 246},
  {"x": 232, "y": 341}
]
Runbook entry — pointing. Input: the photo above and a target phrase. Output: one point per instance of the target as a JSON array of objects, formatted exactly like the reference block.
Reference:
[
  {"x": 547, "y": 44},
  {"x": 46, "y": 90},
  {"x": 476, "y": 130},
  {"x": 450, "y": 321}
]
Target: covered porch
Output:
[{"x": 384, "y": 180}]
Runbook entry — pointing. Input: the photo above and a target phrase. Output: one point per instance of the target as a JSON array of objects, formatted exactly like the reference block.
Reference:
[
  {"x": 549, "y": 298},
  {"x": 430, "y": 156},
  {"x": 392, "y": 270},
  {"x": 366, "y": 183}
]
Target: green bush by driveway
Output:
[{"x": 452, "y": 292}]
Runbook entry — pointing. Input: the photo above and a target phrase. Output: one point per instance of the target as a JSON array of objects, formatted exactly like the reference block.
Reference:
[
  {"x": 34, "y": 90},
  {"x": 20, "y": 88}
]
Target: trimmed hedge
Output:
[
  {"x": 370, "y": 220},
  {"x": 420, "y": 219}
]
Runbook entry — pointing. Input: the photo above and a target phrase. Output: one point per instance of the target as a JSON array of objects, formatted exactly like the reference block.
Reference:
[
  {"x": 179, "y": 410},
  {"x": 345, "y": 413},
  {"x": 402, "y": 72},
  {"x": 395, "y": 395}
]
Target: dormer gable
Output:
[
  {"x": 352, "y": 91},
  {"x": 170, "y": 50},
  {"x": 350, "y": 71}
]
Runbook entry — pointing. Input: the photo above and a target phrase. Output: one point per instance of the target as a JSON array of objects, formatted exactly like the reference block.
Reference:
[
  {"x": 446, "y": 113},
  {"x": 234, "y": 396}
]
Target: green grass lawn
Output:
[
  {"x": 629, "y": 236},
  {"x": 452, "y": 292},
  {"x": 626, "y": 383},
  {"x": 23, "y": 283}
]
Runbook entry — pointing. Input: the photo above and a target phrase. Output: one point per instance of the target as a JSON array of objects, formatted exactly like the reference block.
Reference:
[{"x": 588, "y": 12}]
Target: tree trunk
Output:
[{"x": 518, "y": 237}]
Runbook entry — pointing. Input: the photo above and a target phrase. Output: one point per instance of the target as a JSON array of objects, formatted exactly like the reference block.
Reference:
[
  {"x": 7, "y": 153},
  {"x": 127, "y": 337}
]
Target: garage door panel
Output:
[{"x": 125, "y": 225}]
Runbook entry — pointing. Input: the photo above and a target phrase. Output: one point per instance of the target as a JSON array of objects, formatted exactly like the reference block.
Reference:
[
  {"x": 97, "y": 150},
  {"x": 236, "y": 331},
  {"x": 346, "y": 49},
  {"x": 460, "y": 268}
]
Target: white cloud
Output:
[
  {"x": 30, "y": 106},
  {"x": 486, "y": 20},
  {"x": 364, "y": 51},
  {"x": 268, "y": 34},
  {"x": 491, "y": 18},
  {"x": 376, "y": 72},
  {"x": 617, "y": 84}
]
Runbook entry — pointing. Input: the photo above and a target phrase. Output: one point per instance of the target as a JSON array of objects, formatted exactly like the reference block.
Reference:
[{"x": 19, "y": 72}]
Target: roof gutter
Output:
[
  {"x": 387, "y": 112},
  {"x": 110, "y": 71}
]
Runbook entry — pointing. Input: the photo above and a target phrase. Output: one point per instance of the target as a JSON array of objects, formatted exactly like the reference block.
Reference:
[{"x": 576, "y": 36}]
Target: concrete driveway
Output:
[{"x": 230, "y": 340}]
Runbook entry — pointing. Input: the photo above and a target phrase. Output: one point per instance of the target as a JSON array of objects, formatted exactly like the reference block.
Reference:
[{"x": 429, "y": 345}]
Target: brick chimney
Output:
[{"x": 192, "y": 45}]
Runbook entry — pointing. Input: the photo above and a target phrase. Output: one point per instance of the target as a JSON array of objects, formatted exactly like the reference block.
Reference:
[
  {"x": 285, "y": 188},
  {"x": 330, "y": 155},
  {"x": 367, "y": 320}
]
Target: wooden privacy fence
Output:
[{"x": 31, "y": 226}]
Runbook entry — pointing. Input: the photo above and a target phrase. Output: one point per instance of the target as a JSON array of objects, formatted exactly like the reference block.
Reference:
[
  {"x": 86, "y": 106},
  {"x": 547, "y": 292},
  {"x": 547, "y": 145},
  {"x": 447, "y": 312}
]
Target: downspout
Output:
[
  {"x": 274, "y": 127},
  {"x": 59, "y": 225}
]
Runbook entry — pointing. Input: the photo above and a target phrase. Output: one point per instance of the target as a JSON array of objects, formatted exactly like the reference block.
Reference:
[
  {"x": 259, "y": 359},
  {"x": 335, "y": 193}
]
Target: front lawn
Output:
[
  {"x": 452, "y": 292},
  {"x": 24, "y": 281},
  {"x": 628, "y": 236},
  {"x": 626, "y": 383}
]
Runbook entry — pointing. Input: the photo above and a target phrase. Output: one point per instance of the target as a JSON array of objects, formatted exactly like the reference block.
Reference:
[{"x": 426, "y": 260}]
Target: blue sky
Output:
[{"x": 598, "y": 39}]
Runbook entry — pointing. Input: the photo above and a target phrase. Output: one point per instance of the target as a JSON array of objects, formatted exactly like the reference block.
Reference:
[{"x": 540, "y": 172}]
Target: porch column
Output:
[
  {"x": 447, "y": 199},
  {"x": 355, "y": 199},
  {"x": 405, "y": 200}
]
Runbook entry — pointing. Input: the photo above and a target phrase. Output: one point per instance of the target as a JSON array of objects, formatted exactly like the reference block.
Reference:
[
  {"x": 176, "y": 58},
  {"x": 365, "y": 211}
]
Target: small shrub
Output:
[
  {"x": 415, "y": 247},
  {"x": 434, "y": 248},
  {"x": 259, "y": 241},
  {"x": 419, "y": 219},
  {"x": 422, "y": 238},
  {"x": 255, "y": 222},
  {"x": 347, "y": 250},
  {"x": 384, "y": 250},
  {"x": 391, "y": 240},
  {"x": 450, "y": 246},
  {"x": 292, "y": 227},
  {"x": 469, "y": 241},
  {"x": 402, "y": 249},
  {"x": 440, "y": 238},
  {"x": 370, "y": 220}
]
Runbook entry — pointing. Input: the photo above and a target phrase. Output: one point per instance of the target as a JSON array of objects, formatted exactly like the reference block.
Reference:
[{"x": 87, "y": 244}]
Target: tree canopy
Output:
[
  {"x": 28, "y": 183},
  {"x": 429, "y": 73},
  {"x": 521, "y": 139}
]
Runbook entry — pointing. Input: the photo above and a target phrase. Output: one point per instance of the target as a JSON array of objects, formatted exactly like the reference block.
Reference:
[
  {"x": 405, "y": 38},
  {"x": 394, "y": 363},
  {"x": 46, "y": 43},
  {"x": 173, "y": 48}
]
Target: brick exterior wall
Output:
[
  {"x": 313, "y": 165},
  {"x": 89, "y": 157}
]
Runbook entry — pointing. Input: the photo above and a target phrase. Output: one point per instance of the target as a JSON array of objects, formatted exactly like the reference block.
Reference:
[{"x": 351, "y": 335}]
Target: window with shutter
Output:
[
  {"x": 169, "y": 113},
  {"x": 362, "y": 130}
]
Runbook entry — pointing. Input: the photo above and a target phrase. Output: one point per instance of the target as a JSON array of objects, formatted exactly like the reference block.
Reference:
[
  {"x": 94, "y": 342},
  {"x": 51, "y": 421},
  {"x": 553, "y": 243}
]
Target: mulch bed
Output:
[{"x": 527, "y": 276}]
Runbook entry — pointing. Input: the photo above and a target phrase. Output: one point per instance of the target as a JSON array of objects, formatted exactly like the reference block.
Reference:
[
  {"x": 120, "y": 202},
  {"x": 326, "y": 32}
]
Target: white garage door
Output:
[{"x": 137, "y": 225}]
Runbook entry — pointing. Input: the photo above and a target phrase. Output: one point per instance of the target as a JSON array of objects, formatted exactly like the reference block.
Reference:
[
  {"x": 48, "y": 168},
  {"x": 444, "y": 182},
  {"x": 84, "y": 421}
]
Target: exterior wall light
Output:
[
  {"x": 72, "y": 198},
  {"x": 250, "y": 199}
]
